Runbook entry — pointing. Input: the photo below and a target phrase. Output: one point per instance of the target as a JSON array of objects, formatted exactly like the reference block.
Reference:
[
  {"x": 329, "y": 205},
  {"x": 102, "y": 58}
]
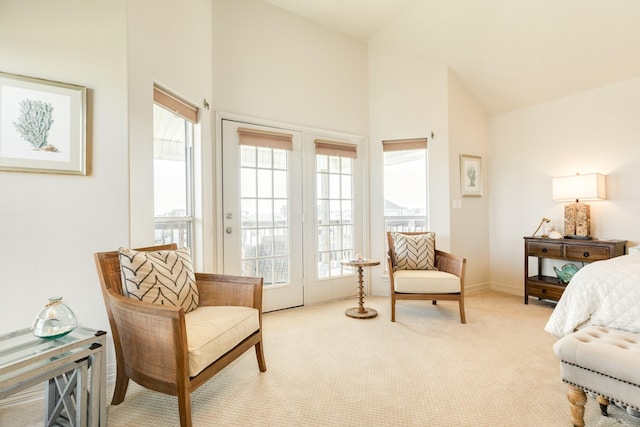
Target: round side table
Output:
[{"x": 360, "y": 312}]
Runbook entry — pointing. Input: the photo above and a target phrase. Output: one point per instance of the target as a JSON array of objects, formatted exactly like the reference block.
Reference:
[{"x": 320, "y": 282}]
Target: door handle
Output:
[{"x": 229, "y": 230}]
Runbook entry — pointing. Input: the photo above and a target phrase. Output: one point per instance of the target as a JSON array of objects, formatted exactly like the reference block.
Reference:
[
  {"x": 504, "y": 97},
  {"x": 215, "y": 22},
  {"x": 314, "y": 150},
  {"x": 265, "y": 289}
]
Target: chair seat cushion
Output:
[
  {"x": 214, "y": 330},
  {"x": 425, "y": 281}
]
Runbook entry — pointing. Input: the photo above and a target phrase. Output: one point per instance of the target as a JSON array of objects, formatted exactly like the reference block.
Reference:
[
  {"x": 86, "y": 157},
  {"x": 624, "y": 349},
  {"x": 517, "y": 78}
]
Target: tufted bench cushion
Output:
[{"x": 603, "y": 361}]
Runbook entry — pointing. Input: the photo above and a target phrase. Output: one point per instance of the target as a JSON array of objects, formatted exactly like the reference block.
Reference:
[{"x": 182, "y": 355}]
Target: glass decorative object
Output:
[{"x": 54, "y": 321}]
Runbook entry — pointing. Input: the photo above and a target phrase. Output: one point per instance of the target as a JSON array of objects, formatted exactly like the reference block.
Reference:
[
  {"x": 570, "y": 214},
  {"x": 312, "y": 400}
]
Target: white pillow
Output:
[
  {"x": 415, "y": 251},
  {"x": 160, "y": 277}
]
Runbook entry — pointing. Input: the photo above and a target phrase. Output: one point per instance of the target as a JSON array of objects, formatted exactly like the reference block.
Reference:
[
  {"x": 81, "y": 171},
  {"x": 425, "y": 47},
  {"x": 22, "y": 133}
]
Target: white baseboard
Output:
[
  {"x": 26, "y": 396},
  {"x": 477, "y": 287},
  {"x": 36, "y": 392},
  {"x": 508, "y": 288}
]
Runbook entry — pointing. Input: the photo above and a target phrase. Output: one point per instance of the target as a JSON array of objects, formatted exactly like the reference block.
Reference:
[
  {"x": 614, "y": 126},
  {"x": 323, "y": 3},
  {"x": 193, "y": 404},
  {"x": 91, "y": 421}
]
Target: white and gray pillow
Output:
[
  {"x": 160, "y": 277},
  {"x": 415, "y": 251}
]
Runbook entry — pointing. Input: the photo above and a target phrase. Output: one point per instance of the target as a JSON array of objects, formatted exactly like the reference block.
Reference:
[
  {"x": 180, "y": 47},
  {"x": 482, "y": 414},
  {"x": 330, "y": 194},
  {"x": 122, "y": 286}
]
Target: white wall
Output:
[
  {"x": 50, "y": 225},
  {"x": 274, "y": 65},
  {"x": 468, "y": 134},
  {"x": 169, "y": 42},
  {"x": 594, "y": 131},
  {"x": 277, "y": 68}
]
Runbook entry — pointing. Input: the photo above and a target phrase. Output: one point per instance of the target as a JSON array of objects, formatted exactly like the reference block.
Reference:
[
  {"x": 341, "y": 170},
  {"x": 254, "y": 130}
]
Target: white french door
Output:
[
  {"x": 334, "y": 222},
  {"x": 293, "y": 208},
  {"x": 262, "y": 209}
]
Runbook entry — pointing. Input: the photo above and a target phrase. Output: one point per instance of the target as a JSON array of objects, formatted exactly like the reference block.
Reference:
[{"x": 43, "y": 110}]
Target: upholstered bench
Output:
[{"x": 600, "y": 361}]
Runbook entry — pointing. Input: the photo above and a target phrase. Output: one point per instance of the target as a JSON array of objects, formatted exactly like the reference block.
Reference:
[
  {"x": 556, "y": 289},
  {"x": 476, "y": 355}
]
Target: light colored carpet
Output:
[{"x": 427, "y": 369}]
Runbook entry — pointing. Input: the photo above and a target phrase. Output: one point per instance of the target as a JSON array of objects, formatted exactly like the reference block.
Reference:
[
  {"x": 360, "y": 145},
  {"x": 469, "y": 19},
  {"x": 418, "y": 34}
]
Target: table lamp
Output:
[{"x": 578, "y": 188}]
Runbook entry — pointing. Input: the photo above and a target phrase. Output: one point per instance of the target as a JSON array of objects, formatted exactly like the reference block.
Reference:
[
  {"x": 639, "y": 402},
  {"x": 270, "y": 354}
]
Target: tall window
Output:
[
  {"x": 334, "y": 199},
  {"x": 405, "y": 185},
  {"x": 173, "y": 169}
]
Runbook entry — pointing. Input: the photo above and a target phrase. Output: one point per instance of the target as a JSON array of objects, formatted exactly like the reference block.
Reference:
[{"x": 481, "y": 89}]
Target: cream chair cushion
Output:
[
  {"x": 425, "y": 282},
  {"x": 214, "y": 330}
]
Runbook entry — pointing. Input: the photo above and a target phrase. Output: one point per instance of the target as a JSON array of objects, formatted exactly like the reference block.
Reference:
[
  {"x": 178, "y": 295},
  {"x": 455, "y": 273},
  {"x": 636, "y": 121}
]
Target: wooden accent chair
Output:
[
  {"x": 444, "y": 283},
  {"x": 151, "y": 339}
]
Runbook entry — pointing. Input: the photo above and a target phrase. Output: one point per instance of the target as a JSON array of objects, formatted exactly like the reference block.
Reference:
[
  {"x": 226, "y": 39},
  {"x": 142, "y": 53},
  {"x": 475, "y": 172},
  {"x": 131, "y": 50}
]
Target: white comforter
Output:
[{"x": 603, "y": 293}]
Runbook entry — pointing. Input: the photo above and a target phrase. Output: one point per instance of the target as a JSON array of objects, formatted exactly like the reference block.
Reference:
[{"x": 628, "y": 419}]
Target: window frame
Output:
[{"x": 188, "y": 113}]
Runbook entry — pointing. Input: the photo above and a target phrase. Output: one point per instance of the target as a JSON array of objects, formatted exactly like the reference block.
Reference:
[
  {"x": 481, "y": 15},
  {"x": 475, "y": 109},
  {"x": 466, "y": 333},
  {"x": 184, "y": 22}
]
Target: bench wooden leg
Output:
[
  {"x": 577, "y": 400},
  {"x": 604, "y": 403}
]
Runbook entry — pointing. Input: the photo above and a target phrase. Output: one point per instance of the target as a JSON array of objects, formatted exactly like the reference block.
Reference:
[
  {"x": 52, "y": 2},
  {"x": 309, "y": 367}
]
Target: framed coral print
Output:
[
  {"x": 470, "y": 176},
  {"x": 42, "y": 125}
]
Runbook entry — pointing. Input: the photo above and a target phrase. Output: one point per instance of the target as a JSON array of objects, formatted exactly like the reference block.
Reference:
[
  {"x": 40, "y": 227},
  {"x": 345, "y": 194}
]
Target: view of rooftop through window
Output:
[
  {"x": 172, "y": 171},
  {"x": 405, "y": 190}
]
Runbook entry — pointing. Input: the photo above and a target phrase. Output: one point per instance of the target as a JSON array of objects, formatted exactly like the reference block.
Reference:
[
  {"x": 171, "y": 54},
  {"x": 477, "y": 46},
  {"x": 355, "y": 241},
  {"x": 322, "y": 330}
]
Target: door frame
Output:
[{"x": 362, "y": 211}]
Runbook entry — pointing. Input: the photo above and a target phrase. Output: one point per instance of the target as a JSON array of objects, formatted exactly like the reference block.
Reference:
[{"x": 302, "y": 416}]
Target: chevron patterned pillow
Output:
[
  {"x": 415, "y": 251},
  {"x": 161, "y": 277}
]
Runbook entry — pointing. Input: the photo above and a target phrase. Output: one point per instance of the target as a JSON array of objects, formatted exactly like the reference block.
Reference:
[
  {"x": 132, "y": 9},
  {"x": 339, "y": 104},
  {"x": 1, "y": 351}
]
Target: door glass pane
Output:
[
  {"x": 334, "y": 182},
  {"x": 280, "y": 184},
  {"x": 265, "y": 183},
  {"x": 265, "y": 214},
  {"x": 247, "y": 182}
]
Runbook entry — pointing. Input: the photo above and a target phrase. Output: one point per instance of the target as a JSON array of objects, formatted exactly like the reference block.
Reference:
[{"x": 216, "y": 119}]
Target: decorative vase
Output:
[
  {"x": 566, "y": 273},
  {"x": 54, "y": 321}
]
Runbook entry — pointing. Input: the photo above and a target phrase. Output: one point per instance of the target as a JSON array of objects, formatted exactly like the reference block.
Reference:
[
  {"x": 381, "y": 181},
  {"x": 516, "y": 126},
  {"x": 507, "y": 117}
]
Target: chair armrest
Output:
[
  {"x": 148, "y": 353},
  {"x": 219, "y": 289},
  {"x": 450, "y": 263}
]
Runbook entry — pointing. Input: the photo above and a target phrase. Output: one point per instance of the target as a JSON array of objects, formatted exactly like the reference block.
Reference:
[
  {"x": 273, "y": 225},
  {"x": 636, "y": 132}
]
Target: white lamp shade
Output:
[{"x": 579, "y": 187}]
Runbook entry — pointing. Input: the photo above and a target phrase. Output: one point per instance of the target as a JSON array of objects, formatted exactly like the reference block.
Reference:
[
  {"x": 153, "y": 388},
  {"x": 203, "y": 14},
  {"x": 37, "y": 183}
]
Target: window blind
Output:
[
  {"x": 334, "y": 148},
  {"x": 404, "y": 144},
  {"x": 175, "y": 104},
  {"x": 263, "y": 138}
]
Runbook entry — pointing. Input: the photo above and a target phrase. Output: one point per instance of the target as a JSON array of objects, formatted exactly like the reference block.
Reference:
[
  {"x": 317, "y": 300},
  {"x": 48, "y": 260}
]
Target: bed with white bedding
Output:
[{"x": 602, "y": 293}]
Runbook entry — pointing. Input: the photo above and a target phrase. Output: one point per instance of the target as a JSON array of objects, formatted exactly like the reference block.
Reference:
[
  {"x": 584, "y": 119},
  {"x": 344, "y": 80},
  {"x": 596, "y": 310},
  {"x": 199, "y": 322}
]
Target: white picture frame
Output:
[
  {"x": 42, "y": 125},
  {"x": 470, "y": 176}
]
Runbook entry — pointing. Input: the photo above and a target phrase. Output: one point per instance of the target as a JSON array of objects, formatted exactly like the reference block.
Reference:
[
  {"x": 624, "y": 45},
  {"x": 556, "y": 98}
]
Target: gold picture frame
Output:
[
  {"x": 470, "y": 176},
  {"x": 42, "y": 125}
]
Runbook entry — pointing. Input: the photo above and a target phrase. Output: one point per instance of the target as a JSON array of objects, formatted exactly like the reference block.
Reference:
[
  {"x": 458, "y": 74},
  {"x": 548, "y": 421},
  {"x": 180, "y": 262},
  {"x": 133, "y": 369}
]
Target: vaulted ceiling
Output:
[{"x": 508, "y": 53}]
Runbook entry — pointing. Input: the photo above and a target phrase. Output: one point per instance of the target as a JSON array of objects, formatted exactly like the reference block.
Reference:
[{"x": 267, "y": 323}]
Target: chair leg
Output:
[
  {"x": 463, "y": 318},
  {"x": 120, "y": 390},
  {"x": 577, "y": 400},
  {"x": 184, "y": 407},
  {"x": 393, "y": 309},
  {"x": 262, "y": 365}
]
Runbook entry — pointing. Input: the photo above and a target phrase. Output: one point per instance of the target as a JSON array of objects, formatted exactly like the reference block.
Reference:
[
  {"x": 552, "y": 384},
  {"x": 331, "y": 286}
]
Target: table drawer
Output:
[
  {"x": 545, "y": 291},
  {"x": 544, "y": 250},
  {"x": 587, "y": 253}
]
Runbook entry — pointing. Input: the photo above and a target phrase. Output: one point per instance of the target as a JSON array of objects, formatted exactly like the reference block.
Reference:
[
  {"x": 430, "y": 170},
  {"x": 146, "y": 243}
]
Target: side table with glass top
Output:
[
  {"x": 73, "y": 367},
  {"x": 360, "y": 312}
]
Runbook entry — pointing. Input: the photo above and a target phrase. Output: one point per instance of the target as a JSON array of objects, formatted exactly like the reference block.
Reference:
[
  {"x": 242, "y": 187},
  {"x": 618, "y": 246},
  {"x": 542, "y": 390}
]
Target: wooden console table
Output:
[
  {"x": 73, "y": 366},
  {"x": 547, "y": 287}
]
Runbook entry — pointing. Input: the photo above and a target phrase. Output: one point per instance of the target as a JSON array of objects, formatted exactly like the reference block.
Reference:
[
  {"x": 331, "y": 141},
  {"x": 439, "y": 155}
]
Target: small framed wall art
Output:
[
  {"x": 42, "y": 125},
  {"x": 470, "y": 176}
]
